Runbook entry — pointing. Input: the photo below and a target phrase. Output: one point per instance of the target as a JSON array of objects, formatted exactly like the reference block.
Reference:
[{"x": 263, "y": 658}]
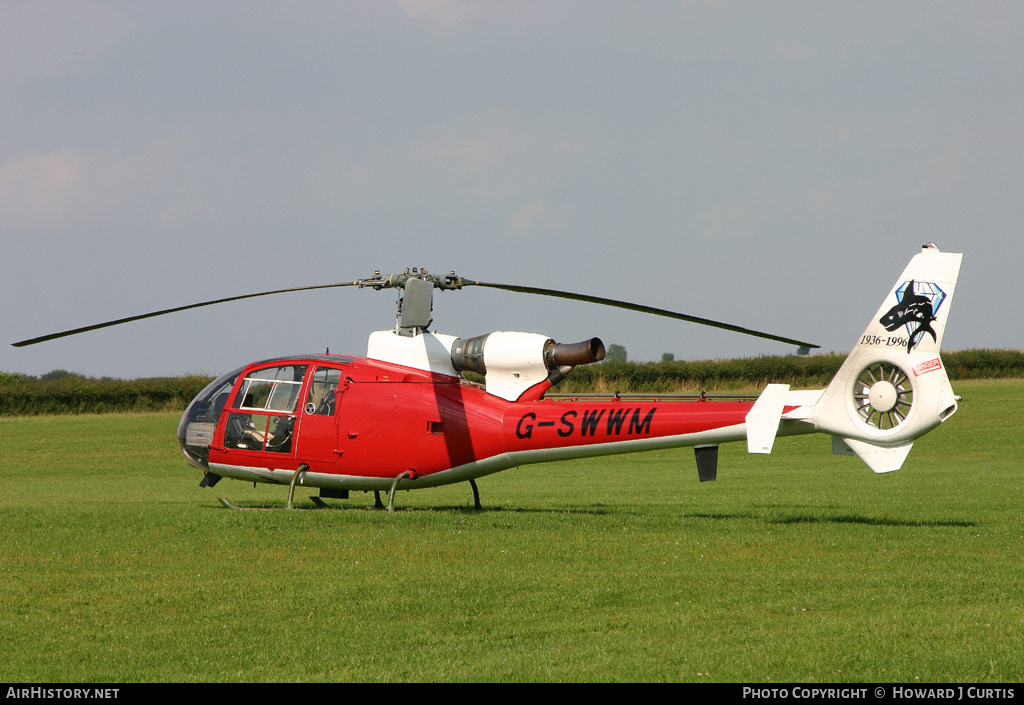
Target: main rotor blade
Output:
[
  {"x": 449, "y": 282},
  {"x": 637, "y": 307},
  {"x": 75, "y": 331}
]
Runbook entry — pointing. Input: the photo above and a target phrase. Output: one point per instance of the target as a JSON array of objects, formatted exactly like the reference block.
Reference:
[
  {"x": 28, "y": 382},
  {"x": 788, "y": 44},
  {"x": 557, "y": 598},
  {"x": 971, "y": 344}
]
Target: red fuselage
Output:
[{"x": 357, "y": 423}]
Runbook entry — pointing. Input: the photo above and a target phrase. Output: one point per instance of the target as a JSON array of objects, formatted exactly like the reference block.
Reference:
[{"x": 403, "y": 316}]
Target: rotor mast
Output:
[{"x": 416, "y": 296}]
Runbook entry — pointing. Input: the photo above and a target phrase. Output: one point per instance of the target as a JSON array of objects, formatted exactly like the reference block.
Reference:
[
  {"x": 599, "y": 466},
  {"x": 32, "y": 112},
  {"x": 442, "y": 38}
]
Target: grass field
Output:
[{"x": 794, "y": 567}]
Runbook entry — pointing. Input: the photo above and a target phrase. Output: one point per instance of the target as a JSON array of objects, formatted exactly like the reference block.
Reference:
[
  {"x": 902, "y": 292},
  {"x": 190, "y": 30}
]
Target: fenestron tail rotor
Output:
[
  {"x": 416, "y": 303},
  {"x": 883, "y": 395}
]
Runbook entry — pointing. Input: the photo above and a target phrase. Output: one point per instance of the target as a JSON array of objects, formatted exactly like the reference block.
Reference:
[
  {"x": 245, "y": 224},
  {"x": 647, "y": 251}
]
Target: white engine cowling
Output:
[
  {"x": 514, "y": 362},
  {"x": 510, "y": 362}
]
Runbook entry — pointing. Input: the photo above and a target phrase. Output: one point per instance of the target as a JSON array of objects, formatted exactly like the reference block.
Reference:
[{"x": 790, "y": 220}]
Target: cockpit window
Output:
[
  {"x": 268, "y": 399},
  {"x": 322, "y": 397},
  {"x": 273, "y": 389}
]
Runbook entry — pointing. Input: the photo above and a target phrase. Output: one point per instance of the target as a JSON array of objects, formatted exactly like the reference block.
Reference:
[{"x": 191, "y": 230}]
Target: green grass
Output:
[{"x": 794, "y": 567}]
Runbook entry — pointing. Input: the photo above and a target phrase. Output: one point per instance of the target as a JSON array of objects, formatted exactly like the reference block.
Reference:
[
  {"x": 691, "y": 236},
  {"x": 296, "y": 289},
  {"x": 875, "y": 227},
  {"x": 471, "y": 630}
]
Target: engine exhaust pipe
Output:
[{"x": 573, "y": 354}]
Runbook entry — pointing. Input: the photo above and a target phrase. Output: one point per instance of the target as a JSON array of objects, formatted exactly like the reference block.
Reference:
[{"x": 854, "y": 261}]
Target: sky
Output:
[{"x": 773, "y": 165}]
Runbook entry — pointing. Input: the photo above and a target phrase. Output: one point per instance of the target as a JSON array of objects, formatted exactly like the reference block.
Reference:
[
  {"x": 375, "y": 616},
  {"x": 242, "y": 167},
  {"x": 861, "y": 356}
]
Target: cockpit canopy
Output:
[{"x": 263, "y": 409}]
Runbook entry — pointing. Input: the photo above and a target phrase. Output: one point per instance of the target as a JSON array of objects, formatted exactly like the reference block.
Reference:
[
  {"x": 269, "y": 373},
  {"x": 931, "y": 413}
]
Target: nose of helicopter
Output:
[{"x": 199, "y": 422}]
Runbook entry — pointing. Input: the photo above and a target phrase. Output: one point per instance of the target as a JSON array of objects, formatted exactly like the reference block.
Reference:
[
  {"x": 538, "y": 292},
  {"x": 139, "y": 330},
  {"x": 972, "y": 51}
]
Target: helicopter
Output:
[{"x": 405, "y": 415}]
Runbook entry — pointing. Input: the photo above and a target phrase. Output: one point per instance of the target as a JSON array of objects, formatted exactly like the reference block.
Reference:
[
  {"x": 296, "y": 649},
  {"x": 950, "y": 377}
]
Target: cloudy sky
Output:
[{"x": 768, "y": 164}]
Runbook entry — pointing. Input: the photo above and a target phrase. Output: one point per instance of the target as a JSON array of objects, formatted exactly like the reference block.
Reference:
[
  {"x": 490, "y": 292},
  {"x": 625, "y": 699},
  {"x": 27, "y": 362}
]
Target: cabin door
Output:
[{"x": 318, "y": 436}]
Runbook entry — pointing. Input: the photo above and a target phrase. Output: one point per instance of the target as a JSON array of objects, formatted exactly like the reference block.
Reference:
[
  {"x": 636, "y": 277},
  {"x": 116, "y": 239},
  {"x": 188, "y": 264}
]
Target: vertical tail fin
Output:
[{"x": 893, "y": 388}]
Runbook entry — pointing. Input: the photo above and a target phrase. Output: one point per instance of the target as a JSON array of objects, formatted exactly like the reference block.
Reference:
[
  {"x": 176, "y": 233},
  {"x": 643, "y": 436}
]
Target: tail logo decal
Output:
[{"x": 918, "y": 304}]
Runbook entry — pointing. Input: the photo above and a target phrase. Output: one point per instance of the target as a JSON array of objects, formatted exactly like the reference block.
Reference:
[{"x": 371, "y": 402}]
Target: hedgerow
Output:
[
  {"x": 74, "y": 394},
  {"x": 61, "y": 392}
]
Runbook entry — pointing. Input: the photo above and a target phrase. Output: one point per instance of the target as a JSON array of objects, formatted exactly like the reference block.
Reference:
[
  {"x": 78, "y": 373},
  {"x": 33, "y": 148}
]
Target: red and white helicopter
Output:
[{"x": 404, "y": 416}]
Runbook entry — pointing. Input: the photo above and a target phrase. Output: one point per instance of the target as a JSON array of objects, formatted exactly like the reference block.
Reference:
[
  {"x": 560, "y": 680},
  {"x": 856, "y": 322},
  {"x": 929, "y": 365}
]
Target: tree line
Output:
[{"x": 63, "y": 392}]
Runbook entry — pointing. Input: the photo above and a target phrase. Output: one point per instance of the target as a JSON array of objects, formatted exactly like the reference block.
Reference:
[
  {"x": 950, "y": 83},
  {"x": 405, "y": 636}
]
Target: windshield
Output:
[{"x": 195, "y": 432}]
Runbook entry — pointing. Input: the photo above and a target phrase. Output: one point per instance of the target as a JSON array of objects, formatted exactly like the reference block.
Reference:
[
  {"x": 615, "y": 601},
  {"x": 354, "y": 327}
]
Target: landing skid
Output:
[
  {"x": 320, "y": 504},
  {"x": 229, "y": 505},
  {"x": 291, "y": 494}
]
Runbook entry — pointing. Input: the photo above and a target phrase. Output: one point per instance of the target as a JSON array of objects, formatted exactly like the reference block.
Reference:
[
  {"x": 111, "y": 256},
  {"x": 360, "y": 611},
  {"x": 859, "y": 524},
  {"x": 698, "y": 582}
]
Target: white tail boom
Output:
[{"x": 892, "y": 388}]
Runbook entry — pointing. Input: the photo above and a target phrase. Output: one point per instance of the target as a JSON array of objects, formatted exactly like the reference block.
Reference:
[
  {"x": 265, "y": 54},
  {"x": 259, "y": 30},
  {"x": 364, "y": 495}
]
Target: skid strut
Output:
[
  {"x": 394, "y": 486},
  {"x": 291, "y": 488}
]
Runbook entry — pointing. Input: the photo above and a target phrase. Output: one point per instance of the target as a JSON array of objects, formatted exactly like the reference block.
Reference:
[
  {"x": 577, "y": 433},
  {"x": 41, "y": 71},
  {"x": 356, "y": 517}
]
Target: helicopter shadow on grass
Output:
[
  {"x": 784, "y": 516},
  {"x": 317, "y": 505},
  {"x": 769, "y": 515},
  {"x": 823, "y": 517}
]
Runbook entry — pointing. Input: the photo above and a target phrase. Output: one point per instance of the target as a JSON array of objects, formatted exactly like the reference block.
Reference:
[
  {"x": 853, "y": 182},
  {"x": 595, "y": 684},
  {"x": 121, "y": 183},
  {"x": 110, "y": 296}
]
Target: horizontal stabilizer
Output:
[
  {"x": 763, "y": 418},
  {"x": 879, "y": 459}
]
